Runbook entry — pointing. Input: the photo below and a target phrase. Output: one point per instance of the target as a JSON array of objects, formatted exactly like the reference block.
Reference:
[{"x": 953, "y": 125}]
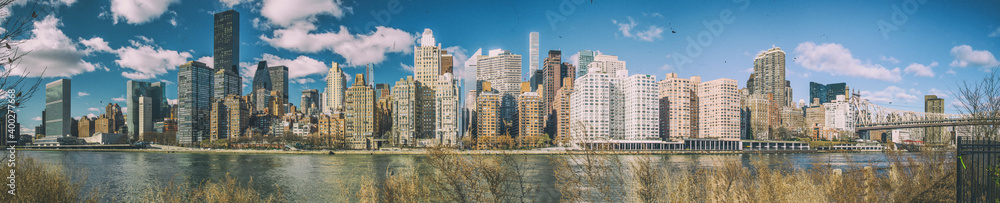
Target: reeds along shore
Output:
[{"x": 446, "y": 176}]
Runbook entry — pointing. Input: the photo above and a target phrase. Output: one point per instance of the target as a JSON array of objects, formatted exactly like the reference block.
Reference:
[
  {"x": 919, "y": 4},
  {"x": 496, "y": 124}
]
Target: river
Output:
[{"x": 321, "y": 178}]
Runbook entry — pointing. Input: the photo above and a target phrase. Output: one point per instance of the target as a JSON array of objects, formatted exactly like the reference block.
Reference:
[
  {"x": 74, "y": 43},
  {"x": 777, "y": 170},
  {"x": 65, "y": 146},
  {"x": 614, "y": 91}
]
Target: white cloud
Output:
[
  {"x": 91, "y": 115},
  {"x": 50, "y": 48},
  {"x": 231, "y": 3},
  {"x": 407, "y": 68},
  {"x": 96, "y": 44},
  {"x": 304, "y": 80},
  {"x": 119, "y": 99},
  {"x": 93, "y": 109},
  {"x": 837, "y": 60},
  {"x": 288, "y": 12},
  {"x": 966, "y": 56},
  {"x": 168, "y": 82},
  {"x": 37, "y": 118},
  {"x": 148, "y": 61},
  {"x": 357, "y": 49},
  {"x": 80, "y": 94},
  {"x": 299, "y": 67},
  {"x": 921, "y": 69},
  {"x": 173, "y": 22},
  {"x": 951, "y": 71},
  {"x": 995, "y": 33},
  {"x": 652, "y": 33},
  {"x": 890, "y": 59},
  {"x": 888, "y": 95},
  {"x": 139, "y": 11},
  {"x": 171, "y": 101},
  {"x": 748, "y": 70},
  {"x": 208, "y": 61},
  {"x": 575, "y": 59},
  {"x": 937, "y": 92}
]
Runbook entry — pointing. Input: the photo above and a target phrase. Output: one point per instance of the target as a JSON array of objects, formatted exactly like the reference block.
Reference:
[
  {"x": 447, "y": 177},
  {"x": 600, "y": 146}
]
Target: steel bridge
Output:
[{"x": 869, "y": 116}]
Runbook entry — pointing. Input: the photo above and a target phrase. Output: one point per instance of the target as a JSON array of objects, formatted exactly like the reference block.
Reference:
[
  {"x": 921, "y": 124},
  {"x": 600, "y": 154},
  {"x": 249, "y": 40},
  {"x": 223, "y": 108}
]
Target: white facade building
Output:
[
  {"x": 446, "y": 102},
  {"x": 719, "y": 109},
  {"x": 590, "y": 110},
  {"x": 336, "y": 84},
  {"x": 641, "y": 107},
  {"x": 839, "y": 114},
  {"x": 613, "y": 106},
  {"x": 532, "y": 53}
]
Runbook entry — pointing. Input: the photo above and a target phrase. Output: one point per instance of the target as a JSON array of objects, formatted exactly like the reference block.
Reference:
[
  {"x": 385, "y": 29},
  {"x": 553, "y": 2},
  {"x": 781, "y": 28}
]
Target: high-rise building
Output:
[
  {"x": 446, "y": 100},
  {"x": 488, "y": 121},
  {"x": 529, "y": 115},
  {"x": 934, "y": 106},
  {"x": 279, "y": 79},
  {"x": 447, "y": 63},
  {"x": 262, "y": 78},
  {"x": 561, "y": 104},
  {"x": 502, "y": 70},
  {"x": 608, "y": 64},
  {"x": 116, "y": 119},
  {"x": 403, "y": 117},
  {"x": 590, "y": 110},
  {"x": 760, "y": 113},
  {"x": 336, "y": 84},
  {"x": 719, "y": 113},
  {"x": 157, "y": 105},
  {"x": 144, "y": 118},
  {"x": 194, "y": 91},
  {"x": 827, "y": 93},
  {"x": 840, "y": 115},
  {"x": 427, "y": 67},
  {"x": 533, "y": 53},
  {"x": 769, "y": 75},
  {"x": 227, "y": 41},
  {"x": 359, "y": 113},
  {"x": 680, "y": 112},
  {"x": 553, "y": 79},
  {"x": 86, "y": 126},
  {"x": 57, "y": 108},
  {"x": 586, "y": 56},
  {"x": 815, "y": 118},
  {"x": 310, "y": 100},
  {"x": 639, "y": 117},
  {"x": 226, "y": 83}
]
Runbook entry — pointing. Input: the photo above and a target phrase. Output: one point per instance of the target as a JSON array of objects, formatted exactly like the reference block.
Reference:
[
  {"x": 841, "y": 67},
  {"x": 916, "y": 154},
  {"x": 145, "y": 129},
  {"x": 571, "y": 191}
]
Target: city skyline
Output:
[{"x": 887, "y": 66}]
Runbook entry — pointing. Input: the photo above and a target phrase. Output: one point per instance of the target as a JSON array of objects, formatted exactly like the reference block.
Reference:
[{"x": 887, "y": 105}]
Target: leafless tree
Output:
[
  {"x": 15, "y": 28},
  {"x": 980, "y": 100}
]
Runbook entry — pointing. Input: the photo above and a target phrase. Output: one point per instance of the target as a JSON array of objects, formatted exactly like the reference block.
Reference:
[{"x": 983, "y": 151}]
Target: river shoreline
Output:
[{"x": 424, "y": 151}]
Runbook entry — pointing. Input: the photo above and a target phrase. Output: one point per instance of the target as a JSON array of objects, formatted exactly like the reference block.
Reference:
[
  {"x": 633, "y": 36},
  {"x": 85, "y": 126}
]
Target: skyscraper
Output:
[
  {"x": 310, "y": 101},
  {"x": 227, "y": 40},
  {"x": 719, "y": 113},
  {"x": 403, "y": 117},
  {"x": 533, "y": 53},
  {"x": 359, "y": 114},
  {"x": 827, "y": 93},
  {"x": 144, "y": 118},
  {"x": 561, "y": 104},
  {"x": 279, "y": 79},
  {"x": 769, "y": 75},
  {"x": 530, "y": 119},
  {"x": 553, "y": 79},
  {"x": 678, "y": 93},
  {"x": 225, "y": 83},
  {"x": 640, "y": 115},
  {"x": 194, "y": 80},
  {"x": 427, "y": 67},
  {"x": 135, "y": 92},
  {"x": 446, "y": 102},
  {"x": 57, "y": 108},
  {"x": 447, "y": 63},
  {"x": 336, "y": 83},
  {"x": 262, "y": 77},
  {"x": 586, "y": 56}
]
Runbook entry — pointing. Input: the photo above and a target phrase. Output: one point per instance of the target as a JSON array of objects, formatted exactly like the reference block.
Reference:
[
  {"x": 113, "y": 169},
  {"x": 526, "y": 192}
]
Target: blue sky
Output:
[{"x": 894, "y": 52}]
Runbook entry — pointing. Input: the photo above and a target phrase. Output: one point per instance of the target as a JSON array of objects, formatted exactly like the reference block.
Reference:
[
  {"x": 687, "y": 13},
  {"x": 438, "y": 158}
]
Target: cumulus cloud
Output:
[
  {"x": 651, "y": 33},
  {"x": 288, "y": 12},
  {"x": 890, "y": 59},
  {"x": 80, "y": 94},
  {"x": 937, "y": 92},
  {"x": 951, "y": 71},
  {"x": 138, "y": 11},
  {"x": 95, "y": 44},
  {"x": 667, "y": 67},
  {"x": 835, "y": 59},
  {"x": 119, "y": 99},
  {"x": 921, "y": 69},
  {"x": 172, "y": 101},
  {"x": 995, "y": 33},
  {"x": 148, "y": 61},
  {"x": 459, "y": 56},
  {"x": 37, "y": 118},
  {"x": 357, "y": 49},
  {"x": 888, "y": 95},
  {"x": 93, "y": 109},
  {"x": 965, "y": 56},
  {"x": 208, "y": 61},
  {"x": 168, "y": 82},
  {"x": 50, "y": 48},
  {"x": 299, "y": 67},
  {"x": 575, "y": 59},
  {"x": 407, "y": 68},
  {"x": 231, "y": 3}
]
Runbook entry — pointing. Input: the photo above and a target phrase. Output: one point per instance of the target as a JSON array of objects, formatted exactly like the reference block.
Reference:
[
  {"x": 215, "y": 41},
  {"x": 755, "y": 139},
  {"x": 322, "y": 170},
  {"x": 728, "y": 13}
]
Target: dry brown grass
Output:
[
  {"x": 38, "y": 182},
  {"x": 225, "y": 190}
]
